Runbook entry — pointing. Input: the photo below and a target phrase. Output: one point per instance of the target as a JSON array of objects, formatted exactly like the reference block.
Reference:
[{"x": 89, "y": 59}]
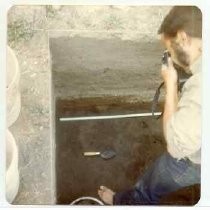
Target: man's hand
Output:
[{"x": 169, "y": 74}]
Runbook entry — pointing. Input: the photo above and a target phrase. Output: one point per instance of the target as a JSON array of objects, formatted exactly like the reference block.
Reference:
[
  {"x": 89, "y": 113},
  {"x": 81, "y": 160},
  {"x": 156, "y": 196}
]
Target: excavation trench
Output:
[{"x": 103, "y": 77}]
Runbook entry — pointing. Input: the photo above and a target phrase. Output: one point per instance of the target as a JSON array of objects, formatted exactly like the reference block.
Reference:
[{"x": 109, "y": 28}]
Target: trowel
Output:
[{"x": 107, "y": 154}]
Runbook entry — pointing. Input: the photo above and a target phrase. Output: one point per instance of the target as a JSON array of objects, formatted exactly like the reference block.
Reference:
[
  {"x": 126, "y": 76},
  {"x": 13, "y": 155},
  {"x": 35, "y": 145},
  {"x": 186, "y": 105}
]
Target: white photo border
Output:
[{"x": 204, "y": 5}]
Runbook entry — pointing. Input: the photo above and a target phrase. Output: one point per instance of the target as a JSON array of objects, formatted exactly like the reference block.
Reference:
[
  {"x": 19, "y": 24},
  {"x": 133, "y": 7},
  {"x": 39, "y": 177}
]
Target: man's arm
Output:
[
  {"x": 181, "y": 120},
  {"x": 169, "y": 75}
]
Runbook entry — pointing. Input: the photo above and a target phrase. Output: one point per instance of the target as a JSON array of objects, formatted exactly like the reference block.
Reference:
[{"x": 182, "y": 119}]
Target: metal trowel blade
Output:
[{"x": 108, "y": 154}]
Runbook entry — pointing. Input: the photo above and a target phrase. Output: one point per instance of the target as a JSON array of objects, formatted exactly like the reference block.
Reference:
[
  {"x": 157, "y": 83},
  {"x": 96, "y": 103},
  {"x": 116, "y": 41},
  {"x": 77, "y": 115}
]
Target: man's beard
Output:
[{"x": 181, "y": 55}]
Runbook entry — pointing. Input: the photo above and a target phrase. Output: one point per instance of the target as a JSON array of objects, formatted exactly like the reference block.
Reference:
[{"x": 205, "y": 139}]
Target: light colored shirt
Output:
[{"x": 183, "y": 133}]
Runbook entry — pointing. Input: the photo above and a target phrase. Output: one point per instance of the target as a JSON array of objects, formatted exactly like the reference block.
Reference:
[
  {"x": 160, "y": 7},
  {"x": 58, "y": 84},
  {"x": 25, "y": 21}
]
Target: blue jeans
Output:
[{"x": 166, "y": 175}]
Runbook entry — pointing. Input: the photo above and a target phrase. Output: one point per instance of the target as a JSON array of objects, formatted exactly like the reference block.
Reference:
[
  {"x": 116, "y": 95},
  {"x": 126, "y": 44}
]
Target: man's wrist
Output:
[
  {"x": 171, "y": 86},
  {"x": 171, "y": 93}
]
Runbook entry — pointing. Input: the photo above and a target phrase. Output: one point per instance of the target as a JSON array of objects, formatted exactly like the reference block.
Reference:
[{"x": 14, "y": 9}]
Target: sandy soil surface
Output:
[{"x": 32, "y": 129}]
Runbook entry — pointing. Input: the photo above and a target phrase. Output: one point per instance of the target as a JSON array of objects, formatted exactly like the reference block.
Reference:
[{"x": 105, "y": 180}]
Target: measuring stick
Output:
[{"x": 105, "y": 117}]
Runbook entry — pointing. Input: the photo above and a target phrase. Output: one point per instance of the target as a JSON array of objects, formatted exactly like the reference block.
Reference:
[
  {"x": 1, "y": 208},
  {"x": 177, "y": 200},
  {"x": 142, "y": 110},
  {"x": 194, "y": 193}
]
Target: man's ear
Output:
[{"x": 182, "y": 38}]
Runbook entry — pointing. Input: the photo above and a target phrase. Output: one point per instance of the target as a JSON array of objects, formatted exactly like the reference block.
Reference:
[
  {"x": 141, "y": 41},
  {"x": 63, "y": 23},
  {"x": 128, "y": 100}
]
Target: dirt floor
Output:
[{"x": 137, "y": 142}]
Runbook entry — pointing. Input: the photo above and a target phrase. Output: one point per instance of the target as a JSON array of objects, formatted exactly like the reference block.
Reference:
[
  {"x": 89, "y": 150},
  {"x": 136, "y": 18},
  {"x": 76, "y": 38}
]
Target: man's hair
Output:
[{"x": 186, "y": 18}]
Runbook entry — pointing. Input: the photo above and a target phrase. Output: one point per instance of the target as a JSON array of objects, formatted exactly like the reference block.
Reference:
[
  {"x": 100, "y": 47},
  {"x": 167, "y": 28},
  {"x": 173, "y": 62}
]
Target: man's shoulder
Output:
[
  {"x": 194, "y": 80},
  {"x": 193, "y": 83}
]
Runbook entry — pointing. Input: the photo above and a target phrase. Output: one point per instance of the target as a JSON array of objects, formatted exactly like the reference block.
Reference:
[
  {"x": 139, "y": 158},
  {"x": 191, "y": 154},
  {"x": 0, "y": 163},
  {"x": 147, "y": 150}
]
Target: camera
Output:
[
  {"x": 182, "y": 78},
  {"x": 165, "y": 57},
  {"x": 181, "y": 72}
]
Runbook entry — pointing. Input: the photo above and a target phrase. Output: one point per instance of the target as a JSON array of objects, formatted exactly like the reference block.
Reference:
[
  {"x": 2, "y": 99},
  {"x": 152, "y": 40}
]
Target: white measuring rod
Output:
[{"x": 105, "y": 117}]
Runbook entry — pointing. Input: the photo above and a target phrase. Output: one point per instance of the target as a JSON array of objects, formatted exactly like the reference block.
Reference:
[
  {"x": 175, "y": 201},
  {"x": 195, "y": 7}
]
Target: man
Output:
[{"x": 181, "y": 33}]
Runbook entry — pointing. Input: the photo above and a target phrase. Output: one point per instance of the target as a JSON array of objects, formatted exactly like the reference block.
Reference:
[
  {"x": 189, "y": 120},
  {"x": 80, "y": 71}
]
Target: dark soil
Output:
[
  {"x": 134, "y": 141},
  {"x": 137, "y": 142}
]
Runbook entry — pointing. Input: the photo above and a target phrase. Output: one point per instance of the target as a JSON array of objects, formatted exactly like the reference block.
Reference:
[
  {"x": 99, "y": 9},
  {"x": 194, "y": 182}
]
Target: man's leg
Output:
[{"x": 166, "y": 175}]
